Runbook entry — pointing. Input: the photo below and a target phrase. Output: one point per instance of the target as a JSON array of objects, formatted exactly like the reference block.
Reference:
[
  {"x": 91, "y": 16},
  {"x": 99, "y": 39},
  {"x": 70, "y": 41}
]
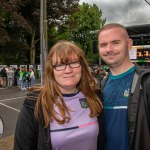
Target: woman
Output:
[
  {"x": 63, "y": 113},
  {"x": 32, "y": 77}
]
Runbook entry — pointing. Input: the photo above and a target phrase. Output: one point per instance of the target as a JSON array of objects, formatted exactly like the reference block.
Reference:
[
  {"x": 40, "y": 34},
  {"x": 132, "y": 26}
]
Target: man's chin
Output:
[
  {"x": 111, "y": 64},
  {"x": 108, "y": 62}
]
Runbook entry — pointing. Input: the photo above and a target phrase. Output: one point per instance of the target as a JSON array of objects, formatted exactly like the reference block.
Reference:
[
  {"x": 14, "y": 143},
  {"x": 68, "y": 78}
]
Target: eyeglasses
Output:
[{"x": 73, "y": 64}]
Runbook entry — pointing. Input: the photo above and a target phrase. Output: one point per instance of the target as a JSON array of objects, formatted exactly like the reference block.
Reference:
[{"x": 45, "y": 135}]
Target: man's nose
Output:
[{"x": 109, "y": 47}]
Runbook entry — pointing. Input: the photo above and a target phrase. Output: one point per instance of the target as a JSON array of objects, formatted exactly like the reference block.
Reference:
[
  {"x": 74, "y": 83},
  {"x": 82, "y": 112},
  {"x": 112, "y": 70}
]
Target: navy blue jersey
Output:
[{"x": 115, "y": 96}]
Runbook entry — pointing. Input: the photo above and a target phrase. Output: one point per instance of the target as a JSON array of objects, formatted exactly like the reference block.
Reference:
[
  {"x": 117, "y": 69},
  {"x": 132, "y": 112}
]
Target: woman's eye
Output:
[{"x": 58, "y": 65}]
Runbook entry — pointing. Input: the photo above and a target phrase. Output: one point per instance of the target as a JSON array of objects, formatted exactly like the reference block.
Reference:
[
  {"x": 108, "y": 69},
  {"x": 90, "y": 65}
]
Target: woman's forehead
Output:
[{"x": 64, "y": 58}]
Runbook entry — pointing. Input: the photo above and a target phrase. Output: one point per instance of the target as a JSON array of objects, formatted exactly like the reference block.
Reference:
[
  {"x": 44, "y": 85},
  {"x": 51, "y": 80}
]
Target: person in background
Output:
[
  {"x": 28, "y": 80},
  {"x": 17, "y": 75},
  {"x": 3, "y": 77},
  {"x": 15, "y": 79},
  {"x": 32, "y": 77},
  {"x": 101, "y": 75},
  {"x": 10, "y": 77},
  {"x": 125, "y": 93},
  {"x": 22, "y": 78},
  {"x": 64, "y": 112}
]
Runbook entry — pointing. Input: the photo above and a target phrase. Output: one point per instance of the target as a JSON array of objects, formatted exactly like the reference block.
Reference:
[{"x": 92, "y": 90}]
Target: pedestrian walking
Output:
[
  {"x": 3, "y": 77},
  {"x": 17, "y": 76},
  {"x": 10, "y": 77},
  {"x": 22, "y": 78},
  {"x": 32, "y": 77}
]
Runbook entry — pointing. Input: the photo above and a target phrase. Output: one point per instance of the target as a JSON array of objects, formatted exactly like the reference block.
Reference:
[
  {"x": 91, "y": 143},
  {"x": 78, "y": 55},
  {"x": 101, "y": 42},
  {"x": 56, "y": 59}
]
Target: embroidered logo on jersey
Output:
[
  {"x": 126, "y": 93},
  {"x": 83, "y": 102}
]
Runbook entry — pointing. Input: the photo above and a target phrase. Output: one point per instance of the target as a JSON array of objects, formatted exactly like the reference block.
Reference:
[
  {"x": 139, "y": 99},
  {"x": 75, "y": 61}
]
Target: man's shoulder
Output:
[
  {"x": 141, "y": 70},
  {"x": 141, "y": 76},
  {"x": 145, "y": 76}
]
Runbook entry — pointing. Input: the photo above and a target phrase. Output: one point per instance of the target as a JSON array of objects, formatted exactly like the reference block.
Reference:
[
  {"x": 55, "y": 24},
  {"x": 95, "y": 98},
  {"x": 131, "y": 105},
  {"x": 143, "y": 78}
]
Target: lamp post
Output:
[{"x": 43, "y": 37}]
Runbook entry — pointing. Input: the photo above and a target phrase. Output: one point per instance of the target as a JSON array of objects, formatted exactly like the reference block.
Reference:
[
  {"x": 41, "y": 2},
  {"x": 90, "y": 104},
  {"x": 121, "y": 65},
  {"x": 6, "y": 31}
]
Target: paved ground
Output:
[
  {"x": 10, "y": 104},
  {"x": 7, "y": 143},
  {"x": 11, "y": 101}
]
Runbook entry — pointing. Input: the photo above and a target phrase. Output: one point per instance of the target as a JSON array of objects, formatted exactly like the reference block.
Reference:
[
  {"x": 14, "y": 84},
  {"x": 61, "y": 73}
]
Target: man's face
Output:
[{"x": 114, "y": 46}]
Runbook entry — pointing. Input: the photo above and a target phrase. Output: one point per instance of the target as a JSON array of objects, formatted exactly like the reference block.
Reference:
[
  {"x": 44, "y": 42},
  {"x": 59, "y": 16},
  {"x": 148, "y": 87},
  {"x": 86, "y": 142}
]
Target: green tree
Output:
[
  {"x": 30, "y": 11},
  {"x": 20, "y": 27},
  {"x": 14, "y": 27},
  {"x": 20, "y": 23},
  {"x": 84, "y": 25},
  {"x": 58, "y": 12}
]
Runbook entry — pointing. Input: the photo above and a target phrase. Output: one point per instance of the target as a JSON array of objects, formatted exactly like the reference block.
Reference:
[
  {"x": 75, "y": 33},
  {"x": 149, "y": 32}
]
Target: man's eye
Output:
[
  {"x": 102, "y": 45},
  {"x": 116, "y": 42}
]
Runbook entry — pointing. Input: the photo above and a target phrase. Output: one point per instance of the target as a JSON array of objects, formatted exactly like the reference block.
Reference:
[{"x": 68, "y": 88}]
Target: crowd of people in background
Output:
[
  {"x": 98, "y": 72},
  {"x": 21, "y": 77},
  {"x": 25, "y": 78}
]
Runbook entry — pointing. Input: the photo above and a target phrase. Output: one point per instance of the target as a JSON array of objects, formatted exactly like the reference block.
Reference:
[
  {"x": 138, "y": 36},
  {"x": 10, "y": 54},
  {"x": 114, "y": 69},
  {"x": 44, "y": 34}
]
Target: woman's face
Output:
[{"x": 68, "y": 78}]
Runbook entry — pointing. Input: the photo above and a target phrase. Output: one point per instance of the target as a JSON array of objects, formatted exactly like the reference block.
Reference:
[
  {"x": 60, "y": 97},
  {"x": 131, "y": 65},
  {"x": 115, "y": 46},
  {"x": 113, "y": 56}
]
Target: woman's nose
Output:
[{"x": 68, "y": 68}]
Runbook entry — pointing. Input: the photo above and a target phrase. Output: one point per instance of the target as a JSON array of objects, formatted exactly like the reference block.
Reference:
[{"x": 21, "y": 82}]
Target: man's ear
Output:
[{"x": 130, "y": 43}]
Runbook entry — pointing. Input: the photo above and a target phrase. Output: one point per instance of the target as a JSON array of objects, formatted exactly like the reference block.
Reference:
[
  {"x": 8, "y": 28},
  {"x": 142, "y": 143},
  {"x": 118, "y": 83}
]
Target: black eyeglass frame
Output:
[{"x": 64, "y": 65}]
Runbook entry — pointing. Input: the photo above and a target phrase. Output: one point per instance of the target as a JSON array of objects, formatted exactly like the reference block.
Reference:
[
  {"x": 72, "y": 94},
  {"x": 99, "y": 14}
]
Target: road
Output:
[{"x": 11, "y": 100}]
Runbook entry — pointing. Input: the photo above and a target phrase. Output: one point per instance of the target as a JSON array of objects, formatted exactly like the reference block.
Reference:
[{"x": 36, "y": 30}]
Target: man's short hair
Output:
[{"x": 112, "y": 25}]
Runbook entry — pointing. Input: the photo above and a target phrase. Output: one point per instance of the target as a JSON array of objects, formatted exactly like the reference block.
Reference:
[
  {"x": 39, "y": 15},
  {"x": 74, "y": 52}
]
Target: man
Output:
[
  {"x": 22, "y": 78},
  {"x": 10, "y": 77},
  {"x": 125, "y": 93}
]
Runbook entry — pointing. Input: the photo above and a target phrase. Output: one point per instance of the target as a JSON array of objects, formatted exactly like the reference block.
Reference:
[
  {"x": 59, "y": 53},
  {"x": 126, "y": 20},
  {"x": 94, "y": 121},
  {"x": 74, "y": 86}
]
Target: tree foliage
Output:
[
  {"x": 84, "y": 25},
  {"x": 15, "y": 27},
  {"x": 20, "y": 27},
  {"x": 58, "y": 12},
  {"x": 20, "y": 23}
]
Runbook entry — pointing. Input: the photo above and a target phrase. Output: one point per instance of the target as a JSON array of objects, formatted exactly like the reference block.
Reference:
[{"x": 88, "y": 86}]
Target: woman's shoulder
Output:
[{"x": 31, "y": 99}]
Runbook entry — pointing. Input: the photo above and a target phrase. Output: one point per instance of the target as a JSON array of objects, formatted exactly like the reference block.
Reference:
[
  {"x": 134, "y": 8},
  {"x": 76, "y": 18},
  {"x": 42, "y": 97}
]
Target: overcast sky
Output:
[{"x": 126, "y": 12}]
